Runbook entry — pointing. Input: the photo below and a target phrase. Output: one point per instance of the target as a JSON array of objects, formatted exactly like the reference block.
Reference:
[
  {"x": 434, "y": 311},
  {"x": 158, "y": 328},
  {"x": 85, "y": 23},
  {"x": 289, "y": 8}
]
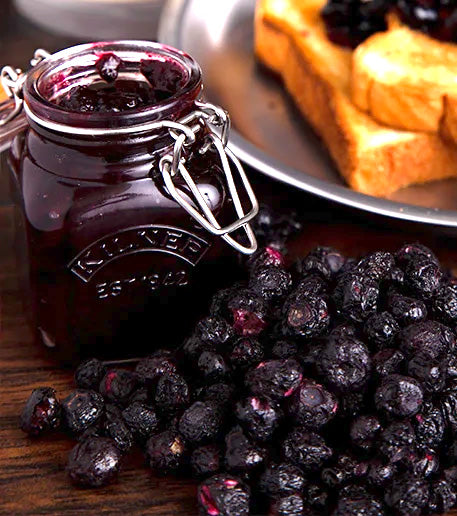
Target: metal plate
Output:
[{"x": 269, "y": 134}]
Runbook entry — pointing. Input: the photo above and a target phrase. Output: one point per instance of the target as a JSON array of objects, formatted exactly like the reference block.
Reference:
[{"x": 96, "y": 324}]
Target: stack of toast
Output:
[{"x": 387, "y": 110}]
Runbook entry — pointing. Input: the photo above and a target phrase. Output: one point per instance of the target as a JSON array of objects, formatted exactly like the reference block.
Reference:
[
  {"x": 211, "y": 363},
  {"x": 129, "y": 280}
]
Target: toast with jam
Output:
[{"x": 376, "y": 142}]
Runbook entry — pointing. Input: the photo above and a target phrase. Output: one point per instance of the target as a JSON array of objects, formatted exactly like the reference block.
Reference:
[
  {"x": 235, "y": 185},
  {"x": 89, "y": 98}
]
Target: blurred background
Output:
[{"x": 54, "y": 24}]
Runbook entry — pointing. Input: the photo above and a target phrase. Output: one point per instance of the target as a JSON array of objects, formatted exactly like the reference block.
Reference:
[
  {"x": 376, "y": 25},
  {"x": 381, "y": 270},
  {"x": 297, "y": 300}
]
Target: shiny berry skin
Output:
[
  {"x": 266, "y": 257},
  {"x": 423, "y": 277},
  {"x": 242, "y": 455},
  {"x": 206, "y": 461},
  {"x": 94, "y": 462},
  {"x": 429, "y": 426},
  {"x": 141, "y": 420},
  {"x": 364, "y": 431},
  {"x": 89, "y": 374},
  {"x": 380, "y": 474},
  {"x": 324, "y": 261},
  {"x": 276, "y": 379},
  {"x": 270, "y": 282},
  {"x": 166, "y": 452},
  {"x": 247, "y": 323},
  {"x": 312, "y": 406},
  {"x": 421, "y": 464},
  {"x": 388, "y": 361},
  {"x": 380, "y": 330},
  {"x": 246, "y": 352},
  {"x": 220, "y": 394},
  {"x": 445, "y": 303},
  {"x": 288, "y": 505},
  {"x": 151, "y": 368},
  {"x": 448, "y": 405},
  {"x": 406, "y": 310},
  {"x": 306, "y": 449},
  {"x": 397, "y": 441},
  {"x": 317, "y": 497},
  {"x": 200, "y": 423},
  {"x": 412, "y": 251},
  {"x": 356, "y": 296},
  {"x": 407, "y": 495},
  {"x": 399, "y": 396},
  {"x": 346, "y": 469},
  {"x": 116, "y": 428},
  {"x": 165, "y": 77},
  {"x": 429, "y": 337},
  {"x": 442, "y": 497},
  {"x": 376, "y": 266},
  {"x": 213, "y": 367},
  {"x": 307, "y": 317},
  {"x": 345, "y": 363},
  {"x": 366, "y": 506},
  {"x": 108, "y": 66},
  {"x": 82, "y": 409},
  {"x": 281, "y": 479},
  {"x": 172, "y": 393},
  {"x": 118, "y": 385},
  {"x": 260, "y": 417},
  {"x": 41, "y": 413},
  {"x": 214, "y": 330},
  {"x": 223, "y": 495},
  {"x": 430, "y": 373},
  {"x": 248, "y": 311}
]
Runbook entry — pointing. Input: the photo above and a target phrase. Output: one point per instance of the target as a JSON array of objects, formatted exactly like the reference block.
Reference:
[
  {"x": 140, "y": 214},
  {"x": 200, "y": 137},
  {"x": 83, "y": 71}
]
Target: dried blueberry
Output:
[
  {"x": 241, "y": 454},
  {"x": 246, "y": 352},
  {"x": 423, "y": 276},
  {"x": 94, "y": 462},
  {"x": 259, "y": 417},
  {"x": 107, "y": 67},
  {"x": 430, "y": 337},
  {"x": 82, "y": 409},
  {"x": 412, "y": 251},
  {"x": 266, "y": 257},
  {"x": 212, "y": 367},
  {"x": 307, "y": 317},
  {"x": 141, "y": 419},
  {"x": 151, "y": 368},
  {"x": 284, "y": 349},
  {"x": 275, "y": 379},
  {"x": 366, "y": 506},
  {"x": 377, "y": 266},
  {"x": 214, "y": 330},
  {"x": 380, "y": 474},
  {"x": 398, "y": 395},
  {"x": 429, "y": 372},
  {"x": 312, "y": 406},
  {"x": 380, "y": 330},
  {"x": 118, "y": 385},
  {"x": 249, "y": 312},
  {"x": 388, "y": 361},
  {"x": 407, "y": 495},
  {"x": 429, "y": 426},
  {"x": 89, "y": 374},
  {"x": 442, "y": 497},
  {"x": 166, "y": 452},
  {"x": 116, "y": 428},
  {"x": 281, "y": 479},
  {"x": 345, "y": 363},
  {"x": 41, "y": 412},
  {"x": 206, "y": 460},
  {"x": 223, "y": 495},
  {"x": 445, "y": 302},
  {"x": 325, "y": 261},
  {"x": 288, "y": 505},
  {"x": 317, "y": 498},
  {"x": 172, "y": 393},
  {"x": 306, "y": 449},
  {"x": 364, "y": 431},
  {"x": 356, "y": 296},
  {"x": 406, "y": 310},
  {"x": 270, "y": 282},
  {"x": 200, "y": 423},
  {"x": 397, "y": 441}
]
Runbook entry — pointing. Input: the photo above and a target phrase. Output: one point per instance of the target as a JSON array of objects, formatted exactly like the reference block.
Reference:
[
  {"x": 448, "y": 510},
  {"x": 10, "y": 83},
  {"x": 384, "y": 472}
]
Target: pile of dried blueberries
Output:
[{"x": 329, "y": 387}]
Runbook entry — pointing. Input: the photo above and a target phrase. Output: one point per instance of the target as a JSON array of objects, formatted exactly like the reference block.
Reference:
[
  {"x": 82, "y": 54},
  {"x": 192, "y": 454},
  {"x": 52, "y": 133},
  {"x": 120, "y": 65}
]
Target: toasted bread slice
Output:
[
  {"x": 401, "y": 76},
  {"x": 290, "y": 39}
]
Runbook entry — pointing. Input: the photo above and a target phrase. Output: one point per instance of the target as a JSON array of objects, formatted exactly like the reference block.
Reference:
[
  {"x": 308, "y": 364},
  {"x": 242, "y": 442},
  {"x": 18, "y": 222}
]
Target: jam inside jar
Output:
[{"x": 115, "y": 265}]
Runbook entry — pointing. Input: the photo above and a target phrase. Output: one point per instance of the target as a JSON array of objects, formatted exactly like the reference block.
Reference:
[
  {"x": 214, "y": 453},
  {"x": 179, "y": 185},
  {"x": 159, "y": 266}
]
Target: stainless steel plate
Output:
[{"x": 268, "y": 132}]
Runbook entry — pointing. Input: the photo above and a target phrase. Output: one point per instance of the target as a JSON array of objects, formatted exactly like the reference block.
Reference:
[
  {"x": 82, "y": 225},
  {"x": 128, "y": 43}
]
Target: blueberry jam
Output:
[
  {"x": 102, "y": 239},
  {"x": 113, "y": 94},
  {"x": 358, "y": 420}
]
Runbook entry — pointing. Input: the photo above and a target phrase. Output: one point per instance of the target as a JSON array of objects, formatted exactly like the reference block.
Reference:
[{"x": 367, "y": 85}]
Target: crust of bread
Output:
[
  {"x": 400, "y": 77},
  {"x": 373, "y": 159}
]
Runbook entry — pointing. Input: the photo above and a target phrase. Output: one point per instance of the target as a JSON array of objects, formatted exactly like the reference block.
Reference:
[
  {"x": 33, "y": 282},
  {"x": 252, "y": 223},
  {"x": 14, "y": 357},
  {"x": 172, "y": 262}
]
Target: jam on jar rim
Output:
[{"x": 76, "y": 65}]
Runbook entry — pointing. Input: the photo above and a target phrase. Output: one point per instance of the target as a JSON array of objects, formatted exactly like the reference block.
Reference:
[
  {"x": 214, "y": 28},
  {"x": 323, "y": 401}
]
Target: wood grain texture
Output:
[{"x": 32, "y": 472}]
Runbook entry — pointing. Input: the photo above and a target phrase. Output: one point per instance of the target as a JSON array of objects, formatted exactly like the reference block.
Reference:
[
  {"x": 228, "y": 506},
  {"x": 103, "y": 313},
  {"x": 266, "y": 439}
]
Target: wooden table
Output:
[{"x": 32, "y": 472}]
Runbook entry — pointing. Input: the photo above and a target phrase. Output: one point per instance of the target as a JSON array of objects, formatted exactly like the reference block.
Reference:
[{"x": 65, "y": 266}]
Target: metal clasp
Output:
[
  {"x": 175, "y": 163},
  {"x": 13, "y": 80}
]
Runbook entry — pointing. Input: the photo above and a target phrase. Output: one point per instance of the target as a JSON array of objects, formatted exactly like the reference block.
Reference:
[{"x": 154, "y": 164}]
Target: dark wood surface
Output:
[{"x": 32, "y": 472}]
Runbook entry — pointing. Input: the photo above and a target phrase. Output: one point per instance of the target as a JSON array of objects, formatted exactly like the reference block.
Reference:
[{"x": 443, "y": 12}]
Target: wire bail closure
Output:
[
  {"x": 174, "y": 164},
  {"x": 184, "y": 132}
]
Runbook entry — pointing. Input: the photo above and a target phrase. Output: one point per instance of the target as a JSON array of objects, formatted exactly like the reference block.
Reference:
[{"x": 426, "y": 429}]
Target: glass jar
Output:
[{"x": 122, "y": 210}]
